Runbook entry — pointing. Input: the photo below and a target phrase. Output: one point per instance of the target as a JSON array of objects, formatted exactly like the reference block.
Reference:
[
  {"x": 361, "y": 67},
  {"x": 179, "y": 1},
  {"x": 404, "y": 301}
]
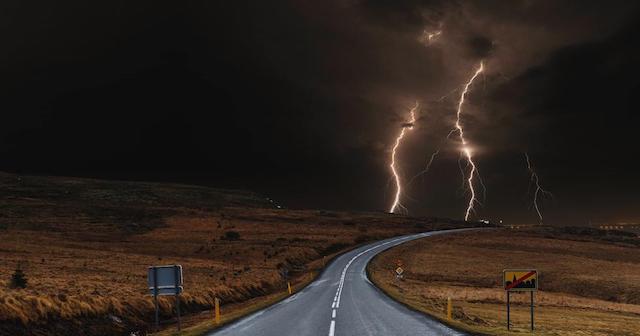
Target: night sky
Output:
[{"x": 302, "y": 100}]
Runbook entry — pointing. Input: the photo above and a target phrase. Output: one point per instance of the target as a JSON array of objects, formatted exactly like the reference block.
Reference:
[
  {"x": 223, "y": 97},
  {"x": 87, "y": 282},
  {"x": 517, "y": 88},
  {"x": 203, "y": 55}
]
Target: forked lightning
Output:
[
  {"x": 466, "y": 149},
  {"x": 540, "y": 192},
  {"x": 394, "y": 171}
]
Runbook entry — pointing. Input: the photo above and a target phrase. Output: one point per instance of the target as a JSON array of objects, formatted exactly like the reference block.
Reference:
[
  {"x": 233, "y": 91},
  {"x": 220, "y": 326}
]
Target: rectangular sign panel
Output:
[
  {"x": 169, "y": 279},
  {"x": 520, "y": 280}
]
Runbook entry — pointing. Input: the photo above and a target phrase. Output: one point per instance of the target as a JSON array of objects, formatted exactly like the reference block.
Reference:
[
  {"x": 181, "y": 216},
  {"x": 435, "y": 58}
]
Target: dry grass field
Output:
[
  {"x": 85, "y": 246},
  {"x": 589, "y": 280}
]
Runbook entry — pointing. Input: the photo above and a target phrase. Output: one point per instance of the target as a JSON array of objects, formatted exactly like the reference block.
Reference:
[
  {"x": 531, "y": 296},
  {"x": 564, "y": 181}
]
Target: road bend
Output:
[{"x": 342, "y": 302}]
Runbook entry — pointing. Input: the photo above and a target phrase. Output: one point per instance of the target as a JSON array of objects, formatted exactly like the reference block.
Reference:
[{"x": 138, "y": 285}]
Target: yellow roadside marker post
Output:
[
  {"x": 289, "y": 287},
  {"x": 449, "y": 308},
  {"x": 217, "y": 310}
]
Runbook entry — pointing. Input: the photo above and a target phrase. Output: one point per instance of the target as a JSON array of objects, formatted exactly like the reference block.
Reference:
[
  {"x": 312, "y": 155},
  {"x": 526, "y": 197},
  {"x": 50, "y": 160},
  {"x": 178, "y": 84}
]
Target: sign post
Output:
[
  {"x": 155, "y": 297},
  {"x": 399, "y": 272},
  {"x": 519, "y": 280},
  {"x": 508, "y": 312},
  {"x": 531, "y": 310},
  {"x": 165, "y": 280},
  {"x": 178, "y": 275}
]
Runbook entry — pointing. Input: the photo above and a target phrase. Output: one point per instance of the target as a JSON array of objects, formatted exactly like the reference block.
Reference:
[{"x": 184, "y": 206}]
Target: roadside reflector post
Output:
[
  {"x": 449, "y": 308},
  {"x": 217, "y": 310},
  {"x": 284, "y": 274}
]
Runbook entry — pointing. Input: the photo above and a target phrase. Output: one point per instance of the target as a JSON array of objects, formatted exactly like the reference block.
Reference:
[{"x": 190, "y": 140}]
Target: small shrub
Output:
[
  {"x": 18, "y": 279},
  {"x": 362, "y": 239},
  {"x": 232, "y": 235},
  {"x": 333, "y": 248}
]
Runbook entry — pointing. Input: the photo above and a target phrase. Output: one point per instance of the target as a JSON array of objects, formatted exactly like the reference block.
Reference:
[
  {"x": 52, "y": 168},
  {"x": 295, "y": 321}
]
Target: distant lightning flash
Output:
[
  {"x": 432, "y": 157},
  {"x": 539, "y": 190},
  {"x": 429, "y": 37},
  {"x": 465, "y": 148},
  {"x": 408, "y": 125}
]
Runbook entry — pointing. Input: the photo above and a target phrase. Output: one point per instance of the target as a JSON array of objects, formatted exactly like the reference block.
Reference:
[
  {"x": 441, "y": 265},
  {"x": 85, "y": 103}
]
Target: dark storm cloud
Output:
[
  {"x": 404, "y": 14},
  {"x": 574, "y": 114},
  {"x": 302, "y": 99},
  {"x": 480, "y": 47}
]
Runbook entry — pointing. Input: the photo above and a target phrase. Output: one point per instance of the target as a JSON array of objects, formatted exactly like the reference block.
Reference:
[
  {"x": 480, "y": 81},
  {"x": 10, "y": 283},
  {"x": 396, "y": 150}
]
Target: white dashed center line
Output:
[
  {"x": 332, "y": 328},
  {"x": 336, "y": 299}
]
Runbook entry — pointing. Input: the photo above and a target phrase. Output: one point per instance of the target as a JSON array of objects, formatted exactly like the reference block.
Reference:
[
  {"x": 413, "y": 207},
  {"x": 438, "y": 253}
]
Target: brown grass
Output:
[
  {"x": 588, "y": 286},
  {"x": 85, "y": 246}
]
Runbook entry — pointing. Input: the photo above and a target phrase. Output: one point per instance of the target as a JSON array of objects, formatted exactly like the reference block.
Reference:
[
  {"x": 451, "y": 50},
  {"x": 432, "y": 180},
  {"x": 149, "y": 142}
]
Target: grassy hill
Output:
[
  {"x": 589, "y": 279},
  {"x": 96, "y": 207},
  {"x": 85, "y": 245}
]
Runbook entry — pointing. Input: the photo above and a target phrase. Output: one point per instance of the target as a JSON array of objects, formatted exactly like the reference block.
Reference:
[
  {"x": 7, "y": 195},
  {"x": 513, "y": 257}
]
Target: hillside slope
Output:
[
  {"x": 85, "y": 246},
  {"x": 589, "y": 279}
]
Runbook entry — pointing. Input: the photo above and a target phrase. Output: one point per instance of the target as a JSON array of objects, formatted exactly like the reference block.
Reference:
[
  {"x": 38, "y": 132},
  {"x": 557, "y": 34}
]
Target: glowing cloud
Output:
[{"x": 429, "y": 37}]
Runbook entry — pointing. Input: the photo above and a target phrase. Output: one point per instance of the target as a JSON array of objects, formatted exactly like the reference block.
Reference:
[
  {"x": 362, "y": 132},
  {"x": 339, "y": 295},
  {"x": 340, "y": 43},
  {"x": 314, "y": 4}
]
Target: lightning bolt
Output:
[
  {"x": 437, "y": 151},
  {"x": 406, "y": 126},
  {"x": 428, "y": 37},
  {"x": 540, "y": 192},
  {"x": 466, "y": 150}
]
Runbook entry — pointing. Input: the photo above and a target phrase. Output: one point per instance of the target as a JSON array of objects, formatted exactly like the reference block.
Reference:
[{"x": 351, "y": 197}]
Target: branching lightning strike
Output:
[
  {"x": 540, "y": 192},
  {"x": 408, "y": 125},
  {"x": 466, "y": 150}
]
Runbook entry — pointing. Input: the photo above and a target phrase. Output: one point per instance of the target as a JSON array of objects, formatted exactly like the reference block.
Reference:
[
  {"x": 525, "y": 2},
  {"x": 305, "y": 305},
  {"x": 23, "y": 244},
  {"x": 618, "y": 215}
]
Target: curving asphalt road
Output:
[{"x": 342, "y": 302}]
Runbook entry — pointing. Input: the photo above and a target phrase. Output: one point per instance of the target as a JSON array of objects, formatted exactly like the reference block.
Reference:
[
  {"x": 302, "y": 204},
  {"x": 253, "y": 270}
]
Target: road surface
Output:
[{"x": 342, "y": 302}]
